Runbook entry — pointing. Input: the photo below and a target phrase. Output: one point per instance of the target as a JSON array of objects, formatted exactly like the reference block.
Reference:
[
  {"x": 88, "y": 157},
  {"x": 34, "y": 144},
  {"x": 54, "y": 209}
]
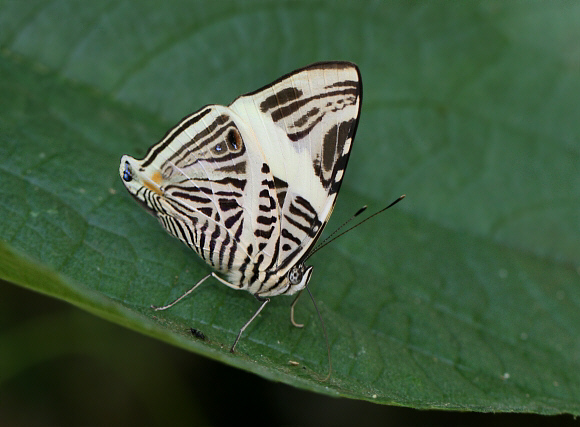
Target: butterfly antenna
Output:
[
  {"x": 327, "y": 241},
  {"x": 361, "y": 210},
  {"x": 325, "y": 335}
]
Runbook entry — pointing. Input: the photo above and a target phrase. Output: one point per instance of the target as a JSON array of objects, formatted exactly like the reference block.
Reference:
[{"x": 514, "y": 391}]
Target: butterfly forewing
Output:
[
  {"x": 250, "y": 187},
  {"x": 305, "y": 123}
]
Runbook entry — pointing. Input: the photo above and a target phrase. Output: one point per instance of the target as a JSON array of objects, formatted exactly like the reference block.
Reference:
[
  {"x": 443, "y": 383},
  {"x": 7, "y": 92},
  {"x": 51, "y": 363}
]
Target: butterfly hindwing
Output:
[{"x": 203, "y": 181}]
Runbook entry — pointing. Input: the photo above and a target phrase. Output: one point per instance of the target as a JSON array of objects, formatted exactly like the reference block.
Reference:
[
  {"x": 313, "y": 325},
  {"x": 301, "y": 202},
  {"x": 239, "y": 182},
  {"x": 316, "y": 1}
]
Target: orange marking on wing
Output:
[
  {"x": 156, "y": 177},
  {"x": 153, "y": 183}
]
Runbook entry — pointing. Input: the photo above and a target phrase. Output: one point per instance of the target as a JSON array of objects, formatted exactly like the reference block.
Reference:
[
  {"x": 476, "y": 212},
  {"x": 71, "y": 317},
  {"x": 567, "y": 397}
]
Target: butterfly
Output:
[{"x": 250, "y": 187}]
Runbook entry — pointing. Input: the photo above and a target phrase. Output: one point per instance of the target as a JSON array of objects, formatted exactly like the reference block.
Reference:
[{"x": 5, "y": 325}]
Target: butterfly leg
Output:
[
  {"x": 298, "y": 325},
  {"x": 225, "y": 282},
  {"x": 264, "y": 302},
  {"x": 165, "y": 307}
]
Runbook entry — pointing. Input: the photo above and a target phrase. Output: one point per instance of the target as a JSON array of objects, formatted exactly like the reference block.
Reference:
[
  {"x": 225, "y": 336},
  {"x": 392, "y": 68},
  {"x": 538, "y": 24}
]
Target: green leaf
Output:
[{"x": 464, "y": 296}]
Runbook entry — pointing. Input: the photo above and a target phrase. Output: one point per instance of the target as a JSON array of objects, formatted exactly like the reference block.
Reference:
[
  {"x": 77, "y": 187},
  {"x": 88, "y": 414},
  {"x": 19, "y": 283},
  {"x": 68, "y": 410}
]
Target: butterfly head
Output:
[{"x": 298, "y": 277}]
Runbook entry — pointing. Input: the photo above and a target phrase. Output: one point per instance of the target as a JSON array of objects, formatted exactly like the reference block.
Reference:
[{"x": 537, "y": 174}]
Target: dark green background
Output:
[{"x": 464, "y": 296}]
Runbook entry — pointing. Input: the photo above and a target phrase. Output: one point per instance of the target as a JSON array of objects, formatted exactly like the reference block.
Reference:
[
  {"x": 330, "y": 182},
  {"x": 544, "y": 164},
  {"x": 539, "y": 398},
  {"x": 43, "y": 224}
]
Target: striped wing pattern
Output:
[{"x": 250, "y": 186}]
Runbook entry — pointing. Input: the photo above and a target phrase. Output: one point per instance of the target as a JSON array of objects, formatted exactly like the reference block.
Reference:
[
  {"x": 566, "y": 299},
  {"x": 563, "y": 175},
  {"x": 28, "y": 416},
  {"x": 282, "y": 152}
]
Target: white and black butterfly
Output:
[{"x": 250, "y": 187}]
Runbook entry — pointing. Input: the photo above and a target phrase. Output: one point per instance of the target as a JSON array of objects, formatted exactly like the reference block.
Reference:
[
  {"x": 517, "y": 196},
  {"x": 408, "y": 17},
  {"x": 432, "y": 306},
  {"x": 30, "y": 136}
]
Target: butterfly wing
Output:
[
  {"x": 250, "y": 187},
  {"x": 203, "y": 182},
  {"x": 305, "y": 123}
]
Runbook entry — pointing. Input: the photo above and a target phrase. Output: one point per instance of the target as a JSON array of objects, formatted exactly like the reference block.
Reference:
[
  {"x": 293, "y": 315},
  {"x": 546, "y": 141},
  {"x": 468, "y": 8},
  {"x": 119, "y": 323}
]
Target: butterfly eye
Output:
[
  {"x": 234, "y": 140},
  {"x": 295, "y": 274},
  {"x": 127, "y": 173}
]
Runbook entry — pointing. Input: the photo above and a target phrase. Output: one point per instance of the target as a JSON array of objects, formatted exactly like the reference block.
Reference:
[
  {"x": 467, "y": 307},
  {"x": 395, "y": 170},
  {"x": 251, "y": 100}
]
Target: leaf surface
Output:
[{"x": 464, "y": 296}]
